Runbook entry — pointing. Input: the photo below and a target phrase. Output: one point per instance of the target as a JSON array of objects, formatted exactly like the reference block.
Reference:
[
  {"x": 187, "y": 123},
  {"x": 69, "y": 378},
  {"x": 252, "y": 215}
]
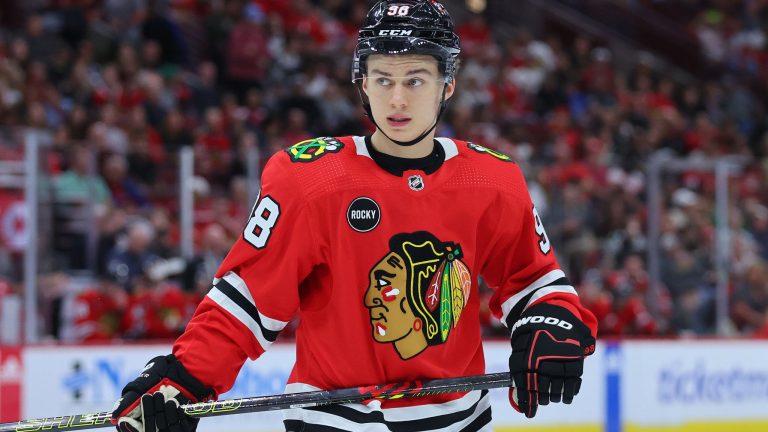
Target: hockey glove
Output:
[
  {"x": 548, "y": 348},
  {"x": 150, "y": 403}
]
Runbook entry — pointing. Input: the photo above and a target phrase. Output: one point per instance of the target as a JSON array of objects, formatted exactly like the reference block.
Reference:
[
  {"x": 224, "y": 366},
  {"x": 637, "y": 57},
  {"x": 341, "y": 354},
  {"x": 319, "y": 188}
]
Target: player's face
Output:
[
  {"x": 385, "y": 298},
  {"x": 404, "y": 92}
]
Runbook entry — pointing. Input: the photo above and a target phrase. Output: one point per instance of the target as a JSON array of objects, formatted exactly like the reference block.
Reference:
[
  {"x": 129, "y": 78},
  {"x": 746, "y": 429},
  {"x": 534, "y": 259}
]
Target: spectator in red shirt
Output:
[
  {"x": 93, "y": 314},
  {"x": 248, "y": 56}
]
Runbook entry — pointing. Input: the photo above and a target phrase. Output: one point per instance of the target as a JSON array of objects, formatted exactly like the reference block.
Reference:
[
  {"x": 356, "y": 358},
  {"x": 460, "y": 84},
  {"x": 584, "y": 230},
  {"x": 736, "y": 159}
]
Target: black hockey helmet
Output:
[
  {"x": 395, "y": 27},
  {"x": 407, "y": 27}
]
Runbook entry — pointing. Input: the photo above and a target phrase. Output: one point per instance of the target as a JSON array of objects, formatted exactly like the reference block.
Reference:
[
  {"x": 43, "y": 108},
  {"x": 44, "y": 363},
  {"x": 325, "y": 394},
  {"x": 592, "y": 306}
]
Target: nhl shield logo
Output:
[{"x": 416, "y": 183}]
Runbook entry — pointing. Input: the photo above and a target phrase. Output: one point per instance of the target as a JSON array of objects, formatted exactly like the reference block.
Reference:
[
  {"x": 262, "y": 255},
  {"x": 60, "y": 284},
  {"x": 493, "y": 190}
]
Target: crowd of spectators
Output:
[{"x": 119, "y": 86}]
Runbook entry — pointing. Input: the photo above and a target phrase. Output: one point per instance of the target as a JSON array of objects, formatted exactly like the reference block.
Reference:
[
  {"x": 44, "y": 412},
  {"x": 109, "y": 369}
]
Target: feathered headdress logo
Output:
[{"x": 417, "y": 292}]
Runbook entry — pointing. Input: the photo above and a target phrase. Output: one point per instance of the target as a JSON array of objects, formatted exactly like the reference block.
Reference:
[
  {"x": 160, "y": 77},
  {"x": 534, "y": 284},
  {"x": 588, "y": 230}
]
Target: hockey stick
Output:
[{"x": 281, "y": 401}]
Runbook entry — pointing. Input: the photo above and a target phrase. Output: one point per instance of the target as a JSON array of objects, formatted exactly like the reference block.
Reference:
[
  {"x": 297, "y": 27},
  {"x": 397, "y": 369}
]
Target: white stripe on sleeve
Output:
[
  {"x": 239, "y": 284},
  {"x": 545, "y": 280},
  {"x": 233, "y": 308}
]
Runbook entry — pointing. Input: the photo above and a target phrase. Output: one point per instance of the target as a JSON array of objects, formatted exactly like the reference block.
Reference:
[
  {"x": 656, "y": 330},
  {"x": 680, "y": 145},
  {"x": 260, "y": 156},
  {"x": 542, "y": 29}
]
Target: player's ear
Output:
[
  {"x": 365, "y": 84},
  {"x": 450, "y": 88}
]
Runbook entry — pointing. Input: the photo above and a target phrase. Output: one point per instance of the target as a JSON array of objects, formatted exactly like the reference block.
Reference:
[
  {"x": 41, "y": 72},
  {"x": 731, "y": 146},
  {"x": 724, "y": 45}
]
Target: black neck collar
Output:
[{"x": 397, "y": 165}]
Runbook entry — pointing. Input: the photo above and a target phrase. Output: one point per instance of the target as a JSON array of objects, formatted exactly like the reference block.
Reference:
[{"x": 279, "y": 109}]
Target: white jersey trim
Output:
[
  {"x": 545, "y": 280},
  {"x": 362, "y": 150},
  {"x": 550, "y": 290},
  {"x": 449, "y": 146}
]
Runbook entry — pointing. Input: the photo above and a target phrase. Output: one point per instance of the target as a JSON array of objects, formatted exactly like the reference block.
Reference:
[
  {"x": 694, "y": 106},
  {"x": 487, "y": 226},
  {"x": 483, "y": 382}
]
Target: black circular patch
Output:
[{"x": 363, "y": 214}]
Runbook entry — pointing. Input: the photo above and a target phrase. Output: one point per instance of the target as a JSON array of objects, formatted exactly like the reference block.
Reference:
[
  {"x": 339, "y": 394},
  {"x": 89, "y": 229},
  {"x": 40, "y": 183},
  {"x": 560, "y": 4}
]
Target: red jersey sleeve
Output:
[
  {"x": 520, "y": 264},
  {"x": 255, "y": 292}
]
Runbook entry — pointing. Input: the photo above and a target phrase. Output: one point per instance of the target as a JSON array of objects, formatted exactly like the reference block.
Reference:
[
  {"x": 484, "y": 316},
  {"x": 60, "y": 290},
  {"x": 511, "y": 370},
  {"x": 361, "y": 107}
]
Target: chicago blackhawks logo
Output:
[
  {"x": 494, "y": 153},
  {"x": 313, "y": 149},
  {"x": 416, "y": 292}
]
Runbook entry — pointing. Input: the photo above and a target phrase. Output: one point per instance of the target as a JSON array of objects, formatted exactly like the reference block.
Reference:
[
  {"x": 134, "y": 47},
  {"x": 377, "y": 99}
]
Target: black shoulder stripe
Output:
[{"x": 228, "y": 290}]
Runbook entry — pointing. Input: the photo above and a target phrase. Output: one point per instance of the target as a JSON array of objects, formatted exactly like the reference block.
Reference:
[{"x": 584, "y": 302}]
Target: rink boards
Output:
[{"x": 631, "y": 386}]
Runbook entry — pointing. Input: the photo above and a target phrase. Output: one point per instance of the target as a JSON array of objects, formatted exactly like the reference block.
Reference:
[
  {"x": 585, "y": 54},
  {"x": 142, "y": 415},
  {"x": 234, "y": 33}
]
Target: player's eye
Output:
[
  {"x": 384, "y": 82},
  {"x": 415, "y": 82}
]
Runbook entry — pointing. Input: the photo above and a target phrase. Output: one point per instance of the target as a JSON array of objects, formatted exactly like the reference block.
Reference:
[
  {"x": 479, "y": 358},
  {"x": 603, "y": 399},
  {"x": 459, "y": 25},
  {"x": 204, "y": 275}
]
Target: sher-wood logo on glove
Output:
[{"x": 542, "y": 319}]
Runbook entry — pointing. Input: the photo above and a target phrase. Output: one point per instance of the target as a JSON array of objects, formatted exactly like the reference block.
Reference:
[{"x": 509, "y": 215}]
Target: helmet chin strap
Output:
[{"x": 443, "y": 104}]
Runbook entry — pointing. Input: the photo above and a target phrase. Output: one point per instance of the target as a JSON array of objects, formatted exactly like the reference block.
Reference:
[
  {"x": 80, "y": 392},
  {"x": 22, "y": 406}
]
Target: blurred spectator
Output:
[
  {"x": 156, "y": 311},
  {"x": 41, "y": 43},
  {"x": 759, "y": 231},
  {"x": 174, "y": 133},
  {"x": 248, "y": 56},
  {"x": 629, "y": 288},
  {"x": 160, "y": 26},
  {"x": 94, "y": 313},
  {"x": 474, "y": 34},
  {"x": 131, "y": 257},
  {"x": 111, "y": 227},
  {"x": 125, "y": 192},
  {"x": 205, "y": 92},
  {"x": 567, "y": 226},
  {"x": 115, "y": 138},
  {"x": 750, "y": 302},
  {"x": 214, "y": 146},
  {"x": 165, "y": 245},
  {"x": 214, "y": 247},
  {"x": 81, "y": 198},
  {"x": 124, "y": 17},
  {"x": 693, "y": 313}
]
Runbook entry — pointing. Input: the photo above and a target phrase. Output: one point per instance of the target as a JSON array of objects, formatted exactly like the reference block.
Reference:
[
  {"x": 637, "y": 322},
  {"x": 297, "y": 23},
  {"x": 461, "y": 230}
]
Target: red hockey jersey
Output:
[{"x": 382, "y": 270}]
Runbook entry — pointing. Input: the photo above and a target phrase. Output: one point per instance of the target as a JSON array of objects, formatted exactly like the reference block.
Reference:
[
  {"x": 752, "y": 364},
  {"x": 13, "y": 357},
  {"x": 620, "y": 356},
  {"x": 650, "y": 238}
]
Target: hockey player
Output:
[{"x": 377, "y": 243}]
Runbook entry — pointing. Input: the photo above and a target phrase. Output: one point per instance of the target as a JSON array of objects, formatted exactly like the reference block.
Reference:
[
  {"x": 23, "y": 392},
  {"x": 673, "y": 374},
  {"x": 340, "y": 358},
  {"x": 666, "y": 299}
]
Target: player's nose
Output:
[{"x": 398, "y": 99}]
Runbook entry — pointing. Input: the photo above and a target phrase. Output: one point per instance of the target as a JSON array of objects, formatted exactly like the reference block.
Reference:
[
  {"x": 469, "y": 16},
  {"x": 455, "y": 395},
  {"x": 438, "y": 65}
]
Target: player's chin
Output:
[{"x": 401, "y": 134}]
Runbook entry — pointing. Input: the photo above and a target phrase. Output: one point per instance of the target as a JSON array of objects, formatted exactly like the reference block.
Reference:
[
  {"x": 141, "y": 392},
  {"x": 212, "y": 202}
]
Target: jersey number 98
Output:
[{"x": 263, "y": 219}]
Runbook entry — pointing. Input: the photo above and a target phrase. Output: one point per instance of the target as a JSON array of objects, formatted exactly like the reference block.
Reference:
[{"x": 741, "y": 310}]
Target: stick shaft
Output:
[{"x": 281, "y": 401}]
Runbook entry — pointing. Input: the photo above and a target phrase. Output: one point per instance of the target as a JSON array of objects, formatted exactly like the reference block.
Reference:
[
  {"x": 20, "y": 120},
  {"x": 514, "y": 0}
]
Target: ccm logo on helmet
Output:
[
  {"x": 538, "y": 319},
  {"x": 395, "y": 32}
]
